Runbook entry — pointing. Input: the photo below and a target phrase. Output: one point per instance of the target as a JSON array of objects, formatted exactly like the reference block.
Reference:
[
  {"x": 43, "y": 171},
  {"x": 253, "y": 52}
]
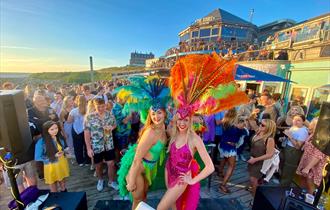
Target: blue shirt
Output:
[
  {"x": 218, "y": 128},
  {"x": 40, "y": 151},
  {"x": 122, "y": 129}
]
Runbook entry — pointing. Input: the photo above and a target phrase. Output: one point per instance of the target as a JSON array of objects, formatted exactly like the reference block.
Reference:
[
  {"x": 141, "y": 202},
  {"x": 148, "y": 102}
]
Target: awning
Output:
[{"x": 246, "y": 73}]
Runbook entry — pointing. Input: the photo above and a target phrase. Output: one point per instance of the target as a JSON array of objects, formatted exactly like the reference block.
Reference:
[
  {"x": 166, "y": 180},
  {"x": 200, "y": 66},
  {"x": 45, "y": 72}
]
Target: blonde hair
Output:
[
  {"x": 90, "y": 107},
  {"x": 28, "y": 92},
  {"x": 230, "y": 118},
  {"x": 64, "y": 107},
  {"x": 148, "y": 124},
  {"x": 175, "y": 131},
  {"x": 270, "y": 126},
  {"x": 312, "y": 125},
  {"x": 82, "y": 104}
]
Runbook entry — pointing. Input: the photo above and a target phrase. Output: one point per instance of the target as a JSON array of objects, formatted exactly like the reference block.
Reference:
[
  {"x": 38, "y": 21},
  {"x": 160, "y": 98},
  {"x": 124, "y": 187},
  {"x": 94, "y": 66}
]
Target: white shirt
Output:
[
  {"x": 299, "y": 134},
  {"x": 78, "y": 120}
]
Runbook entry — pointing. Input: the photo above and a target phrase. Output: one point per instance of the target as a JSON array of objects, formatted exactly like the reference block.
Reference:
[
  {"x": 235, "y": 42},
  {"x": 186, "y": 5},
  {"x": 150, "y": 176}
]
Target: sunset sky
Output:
[{"x": 46, "y": 35}]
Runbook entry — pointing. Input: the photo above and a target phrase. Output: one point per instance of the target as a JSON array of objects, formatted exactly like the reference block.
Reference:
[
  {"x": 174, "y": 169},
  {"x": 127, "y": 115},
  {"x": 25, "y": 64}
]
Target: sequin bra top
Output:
[
  {"x": 155, "y": 152},
  {"x": 178, "y": 162}
]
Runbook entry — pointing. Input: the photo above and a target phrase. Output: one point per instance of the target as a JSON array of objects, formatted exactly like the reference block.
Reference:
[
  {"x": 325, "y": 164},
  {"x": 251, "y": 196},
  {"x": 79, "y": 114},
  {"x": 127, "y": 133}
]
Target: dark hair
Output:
[
  {"x": 86, "y": 87},
  {"x": 100, "y": 88},
  {"x": 98, "y": 101},
  {"x": 51, "y": 148},
  {"x": 301, "y": 116},
  {"x": 277, "y": 96},
  {"x": 252, "y": 96},
  {"x": 266, "y": 116}
]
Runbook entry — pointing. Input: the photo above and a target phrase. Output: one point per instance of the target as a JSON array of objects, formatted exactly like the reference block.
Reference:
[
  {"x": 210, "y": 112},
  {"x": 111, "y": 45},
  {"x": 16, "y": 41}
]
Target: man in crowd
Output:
[
  {"x": 87, "y": 92},
  {"x": 50, "y": 92},
  {"x": 245, "y": 110},
  {"x": 99, "y": 142},
  {"x": 57, "y": 103},
  {"x": 123, "y": 122},
  {"x": 266, "y": 101},
  {"x": 38, "y": 115}
]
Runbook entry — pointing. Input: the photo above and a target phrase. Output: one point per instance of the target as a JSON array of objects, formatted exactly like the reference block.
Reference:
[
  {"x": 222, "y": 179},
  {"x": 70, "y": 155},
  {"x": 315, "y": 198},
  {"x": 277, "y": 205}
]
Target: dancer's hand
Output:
[
  {"x": 130, "y": 187},
  {"x": 186, "y": 178}
]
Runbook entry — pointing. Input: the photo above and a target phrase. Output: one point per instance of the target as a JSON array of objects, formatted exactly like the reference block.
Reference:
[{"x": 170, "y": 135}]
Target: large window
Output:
[
  {"x": 215, "y": 31},
  {"x": 185, "y": 37},
  {"x": 271, "y": 87},
  {"x": 299, "y": 94},
  {"x": 204, "y": 32},
  {"x": 194, "y": 34},
  {"x": 308, "y": 32},
  {"x": 319, "y": 95},
  {"x": 234, "y": 32},
  {"x": 283, "y": 36}
]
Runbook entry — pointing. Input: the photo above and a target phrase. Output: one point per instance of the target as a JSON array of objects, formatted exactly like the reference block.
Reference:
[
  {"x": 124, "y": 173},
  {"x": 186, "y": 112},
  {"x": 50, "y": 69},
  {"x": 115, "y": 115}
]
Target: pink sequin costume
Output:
[{"x": 180, "y": 161}]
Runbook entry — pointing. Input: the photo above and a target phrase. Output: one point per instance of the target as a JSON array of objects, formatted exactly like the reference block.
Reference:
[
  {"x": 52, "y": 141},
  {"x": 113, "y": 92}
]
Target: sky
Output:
[{"x": 47, "y": 35}]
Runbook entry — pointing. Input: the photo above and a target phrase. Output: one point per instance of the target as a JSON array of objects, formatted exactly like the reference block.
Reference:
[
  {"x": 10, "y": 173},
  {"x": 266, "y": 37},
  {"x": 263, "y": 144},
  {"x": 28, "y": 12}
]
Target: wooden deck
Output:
[{"x": 82, "y": 179}]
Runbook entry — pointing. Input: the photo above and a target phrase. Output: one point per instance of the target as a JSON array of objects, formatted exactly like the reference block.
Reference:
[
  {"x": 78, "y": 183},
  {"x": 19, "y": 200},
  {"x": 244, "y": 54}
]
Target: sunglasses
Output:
[{"x": 262, "y": 125}]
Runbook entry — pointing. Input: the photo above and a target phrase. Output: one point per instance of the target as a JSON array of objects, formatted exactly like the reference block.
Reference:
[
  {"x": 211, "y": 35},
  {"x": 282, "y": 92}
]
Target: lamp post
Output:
[{"x": 91, "y": 69}]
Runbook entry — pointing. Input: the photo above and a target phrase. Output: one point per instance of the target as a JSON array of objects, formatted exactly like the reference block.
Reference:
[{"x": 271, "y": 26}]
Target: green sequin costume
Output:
[{"x": 157, "y": 152}]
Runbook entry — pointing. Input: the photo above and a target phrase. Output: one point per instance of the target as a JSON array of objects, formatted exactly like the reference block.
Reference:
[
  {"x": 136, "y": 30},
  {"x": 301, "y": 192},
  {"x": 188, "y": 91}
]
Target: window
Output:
[
  {"x": 319, "y": 96},
  {"x": 299, "y": 94},
  {"x": 270, "y": 87},
  {"x": 215, "y": 31},
  {"x": 215, "y": 38},
  {"x": 185, "y": 37},
  {"x": 204, "y": 32},
  {"x": 194, "y": 34}
]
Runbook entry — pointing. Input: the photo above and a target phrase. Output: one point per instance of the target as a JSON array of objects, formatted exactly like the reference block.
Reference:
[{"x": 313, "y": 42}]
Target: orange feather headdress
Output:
[{"x": 204, "y": 84}]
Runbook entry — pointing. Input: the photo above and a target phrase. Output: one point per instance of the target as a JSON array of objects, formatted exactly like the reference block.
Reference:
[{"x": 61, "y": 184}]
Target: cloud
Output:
[
  {"x": 17, "y": 47},
  {"x": 31, "y": 11}
]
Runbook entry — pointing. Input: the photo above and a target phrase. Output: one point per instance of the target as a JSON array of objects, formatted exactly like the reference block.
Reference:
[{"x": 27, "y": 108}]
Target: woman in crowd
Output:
[
  {"x": 50, "y": 149},
  {"x": 233, "y": 130},
  {"x": 262, "y": 148},
  {"x": 202, "y": 84},
  {"x": 296, "y": 137},
  {"x": 76, "y": 117},
  {"x": 139, "y": 164},
  {"x": 68, "y": 105},
  {"x": 312, "y": 162}
]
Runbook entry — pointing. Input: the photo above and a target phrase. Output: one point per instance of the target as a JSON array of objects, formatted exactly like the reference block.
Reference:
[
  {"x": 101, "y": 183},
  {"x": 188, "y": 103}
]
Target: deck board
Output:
[{"x": 82, "y": 179}]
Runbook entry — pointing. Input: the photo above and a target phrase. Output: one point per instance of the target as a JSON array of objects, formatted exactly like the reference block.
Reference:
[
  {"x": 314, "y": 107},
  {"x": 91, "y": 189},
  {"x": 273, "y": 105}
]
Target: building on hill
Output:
[
  {"x": 220, "y": 25},
  {"x": 139, "y": 59}
]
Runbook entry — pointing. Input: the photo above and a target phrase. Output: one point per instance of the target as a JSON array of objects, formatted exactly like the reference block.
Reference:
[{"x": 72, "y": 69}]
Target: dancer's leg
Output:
[
  {"x": 139, "y": 192},
  {"x": 171, "y": 196}
]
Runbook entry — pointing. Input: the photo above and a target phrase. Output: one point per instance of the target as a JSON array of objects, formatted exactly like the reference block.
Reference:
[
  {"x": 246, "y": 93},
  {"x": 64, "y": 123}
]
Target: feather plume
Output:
[
  {"x": 143, "y": 93},
  {"x": 205, "y": 83}
]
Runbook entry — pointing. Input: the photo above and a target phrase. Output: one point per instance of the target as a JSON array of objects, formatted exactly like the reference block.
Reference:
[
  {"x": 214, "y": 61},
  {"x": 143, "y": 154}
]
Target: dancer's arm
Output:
[
  {"x": 143, "y": 147},
  {"x": 209, "y": 167}
]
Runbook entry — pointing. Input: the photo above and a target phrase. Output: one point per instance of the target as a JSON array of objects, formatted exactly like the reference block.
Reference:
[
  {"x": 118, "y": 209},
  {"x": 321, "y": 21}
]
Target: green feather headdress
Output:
[{"x": 144, "y": 93}]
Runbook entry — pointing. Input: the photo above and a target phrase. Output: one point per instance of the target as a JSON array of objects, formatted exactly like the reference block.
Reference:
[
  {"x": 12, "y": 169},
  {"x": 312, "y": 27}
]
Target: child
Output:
[{"x": 50, "y": 149}]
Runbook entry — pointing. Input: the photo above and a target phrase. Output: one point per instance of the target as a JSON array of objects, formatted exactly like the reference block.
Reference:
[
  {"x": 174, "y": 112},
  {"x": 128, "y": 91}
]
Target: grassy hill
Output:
[{"x": 84, "y": 76}]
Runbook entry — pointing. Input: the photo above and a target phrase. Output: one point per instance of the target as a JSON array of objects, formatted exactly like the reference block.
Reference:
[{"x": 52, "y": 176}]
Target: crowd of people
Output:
[
  {"x": 87, "y": 125},
  {"x": 242, "y": 51}
]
